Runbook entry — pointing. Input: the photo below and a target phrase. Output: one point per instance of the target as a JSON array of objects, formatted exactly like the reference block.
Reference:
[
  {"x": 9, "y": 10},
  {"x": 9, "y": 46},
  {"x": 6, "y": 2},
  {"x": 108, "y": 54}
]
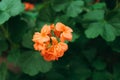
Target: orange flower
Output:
[
  {"x": 46, "y": 29},
  {"x": 63, "y": 31},
  {"x": 43, "y": 36},
  {"x": 28, "y": 6},
  {"x": 46, "y": 42},
  {"x": 40, "y": 37}
]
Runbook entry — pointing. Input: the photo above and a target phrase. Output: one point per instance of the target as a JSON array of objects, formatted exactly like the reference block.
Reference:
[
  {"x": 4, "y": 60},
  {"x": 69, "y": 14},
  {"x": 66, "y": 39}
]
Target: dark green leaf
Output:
[
  {"x": 13, "y": 56},
  {"x": 99, "y": 64},
  {"x": 58, "y": 5},
  {"x": 90, "y": 54},
  {"x": 3, "y": 46},
  {"x": 115, "y": 45},
  {"x": 99, "y": 6},
  {"x": 27, "y": 40},
  {"x": 116, "y": 71},
  {"x": 103, "y": 75}
]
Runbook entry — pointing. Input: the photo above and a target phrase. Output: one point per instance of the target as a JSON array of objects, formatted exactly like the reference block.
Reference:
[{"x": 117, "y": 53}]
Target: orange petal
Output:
[
  {"x": 68, "y": 29},
  {"x": 39, "y": 47},
  {"x": 60, "y": 26},
  {"x": 46, "y": 29},
  {"x": 64, "y": 46},
  {"x": 59, "y": 51},
  {"x": 49, "y": 57},
  {"x": 36, "y": 37},
  {"x": 40, "y": 38},
  {"x": 57, "y": 33},
  {"x": 67, "y": 36}
]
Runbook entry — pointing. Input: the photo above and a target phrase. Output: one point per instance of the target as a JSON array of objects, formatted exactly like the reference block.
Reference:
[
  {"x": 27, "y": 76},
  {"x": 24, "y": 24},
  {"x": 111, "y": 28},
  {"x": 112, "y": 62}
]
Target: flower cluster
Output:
[{"x": 50, "y": 41}]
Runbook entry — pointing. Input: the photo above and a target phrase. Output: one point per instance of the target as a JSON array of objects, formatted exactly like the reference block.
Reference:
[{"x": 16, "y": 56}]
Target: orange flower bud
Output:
[{"x": 28, "y": 6}]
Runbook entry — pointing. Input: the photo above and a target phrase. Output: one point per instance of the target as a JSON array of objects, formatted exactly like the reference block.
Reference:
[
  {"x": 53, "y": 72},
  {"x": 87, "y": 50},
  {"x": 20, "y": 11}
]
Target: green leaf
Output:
[
  {"x": 3, "y": 71},
  {"x": 3, "y": 17},
  {"x": 99, "y": 64},
  {"x": 55, "y": 76},
  {"x": 99, "y": 6},
  {"x": 32, "y": 63},
  {"x": 94, "y": 15},
  {"x": 115, "y": 45},
  {"x": 116, "y": 71},
  {"x": 115, "y": 22},
  {"x": 14, "y": 7},
  {"x": 27, "y": 40},
  {"x": 75, "y": 8},
  {"x": 10, "y": 8},
  {"x": 13, "y": 56},
  {"x": 75, "y": 36},
  {"x": 94, "y": 30},
  {"x": 90, "y": 54},
  {"x": 30, "y": 18},
  {"x": 58, "y": 5},
  {"x": 79, "y": 69},
  {"x": 109, "y": 32},
  {"x": 103, "y": 75},
  {"x": 104, "y": 29},
  {"x": 2, "y": 6}
]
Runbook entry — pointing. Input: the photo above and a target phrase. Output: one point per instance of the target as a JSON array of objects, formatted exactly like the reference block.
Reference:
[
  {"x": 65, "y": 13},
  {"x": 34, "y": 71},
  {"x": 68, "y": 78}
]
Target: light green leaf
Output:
[
  {"x": 3, "y": 6},
  {"x": 3, "y": 71},
  {"x": 75, "y": 8},
  {"x": 10, "y": 8},
  {"x": 14, "y": 7},
  {"x": 94, "y": 15},
  {"x": 3, "y": 17},
  {"x": 32, "y": 63}
]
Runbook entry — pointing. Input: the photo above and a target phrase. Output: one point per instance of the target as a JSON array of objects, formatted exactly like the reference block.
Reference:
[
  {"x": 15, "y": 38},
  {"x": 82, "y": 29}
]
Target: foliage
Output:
[{"x": 93, "y": 53}]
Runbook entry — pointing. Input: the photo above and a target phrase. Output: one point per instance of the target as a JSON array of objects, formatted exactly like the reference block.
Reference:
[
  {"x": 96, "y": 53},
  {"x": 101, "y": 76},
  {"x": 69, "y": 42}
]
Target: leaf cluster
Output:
[{"x": 93, "y": 53}]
